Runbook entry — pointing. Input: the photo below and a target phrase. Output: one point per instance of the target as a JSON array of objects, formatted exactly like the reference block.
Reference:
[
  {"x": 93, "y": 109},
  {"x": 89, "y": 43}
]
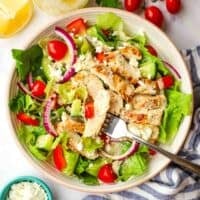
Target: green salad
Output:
[{"x": 70, "y": 80}]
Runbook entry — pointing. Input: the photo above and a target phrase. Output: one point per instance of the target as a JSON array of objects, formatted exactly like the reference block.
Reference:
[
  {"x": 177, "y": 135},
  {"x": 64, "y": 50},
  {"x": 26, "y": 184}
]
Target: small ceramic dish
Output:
[{"x": 32, "y": 179}]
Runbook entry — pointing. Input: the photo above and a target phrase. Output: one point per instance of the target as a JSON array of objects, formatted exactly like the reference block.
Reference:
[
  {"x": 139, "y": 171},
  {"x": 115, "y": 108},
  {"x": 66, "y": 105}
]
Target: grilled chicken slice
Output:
[
  {"x": 101, "y": 106},
  {"x": 147, "y": 86},
  {"x": 114, "y": 81},
  {"x": 152, "y": 117},
  {"x": 70, "y": 125},
  {"x": 148, "y": 102},
  {"x": 147, "y": 132},
  {"x": 116, "y": 103},
  {"x": 130, "y": 51},
  {"x": 75, "y": 144},
  {"x": 119, "y": 65}
]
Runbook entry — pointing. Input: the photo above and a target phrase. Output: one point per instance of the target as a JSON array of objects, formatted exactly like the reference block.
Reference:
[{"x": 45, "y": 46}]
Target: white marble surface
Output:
[{"x": 183, "y": 29}]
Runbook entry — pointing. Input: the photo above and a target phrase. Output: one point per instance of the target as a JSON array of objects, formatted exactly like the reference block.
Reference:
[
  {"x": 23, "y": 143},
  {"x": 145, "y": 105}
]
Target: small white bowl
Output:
[{"x": 167, "y": 51}]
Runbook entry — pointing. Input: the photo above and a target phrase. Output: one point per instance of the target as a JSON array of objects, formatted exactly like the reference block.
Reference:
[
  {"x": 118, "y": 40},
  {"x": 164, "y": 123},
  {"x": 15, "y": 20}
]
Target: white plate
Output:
[{"x": 167, "y": 51}]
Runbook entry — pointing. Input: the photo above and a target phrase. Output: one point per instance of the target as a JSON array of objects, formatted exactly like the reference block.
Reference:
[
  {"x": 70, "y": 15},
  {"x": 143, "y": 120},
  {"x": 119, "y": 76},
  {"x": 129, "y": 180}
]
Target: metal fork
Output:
[{"x": 115, "y": 127}]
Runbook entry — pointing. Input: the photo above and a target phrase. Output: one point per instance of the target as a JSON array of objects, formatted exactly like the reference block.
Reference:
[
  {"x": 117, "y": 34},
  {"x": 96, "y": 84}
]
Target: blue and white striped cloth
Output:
[{"x": 173, "y": 183}]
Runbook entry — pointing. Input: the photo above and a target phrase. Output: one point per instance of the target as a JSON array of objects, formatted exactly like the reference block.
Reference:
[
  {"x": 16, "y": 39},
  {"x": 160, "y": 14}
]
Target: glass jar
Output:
[{"x": 60, "y": 7}]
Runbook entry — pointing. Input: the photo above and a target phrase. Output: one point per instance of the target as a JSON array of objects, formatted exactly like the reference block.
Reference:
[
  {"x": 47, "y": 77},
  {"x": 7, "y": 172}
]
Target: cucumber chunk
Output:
[
  {"x": 45, "y": 142},
  {"x": 148, "y": 70},
  {"x": 76, "y": 108}
]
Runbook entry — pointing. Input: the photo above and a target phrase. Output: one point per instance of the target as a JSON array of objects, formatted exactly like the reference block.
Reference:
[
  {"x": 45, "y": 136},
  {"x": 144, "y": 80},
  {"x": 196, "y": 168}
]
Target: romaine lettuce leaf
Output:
[
  {"x": 81, "y": 165},
  {"x": 28, "y": 61},
  {"x": 91, "y": 144},
  {"x": 133, "y": 166},
  {"x": 179, "y": 105},
  {"x": 88, "y": 179},
  {"x": 109, "y": 21}
]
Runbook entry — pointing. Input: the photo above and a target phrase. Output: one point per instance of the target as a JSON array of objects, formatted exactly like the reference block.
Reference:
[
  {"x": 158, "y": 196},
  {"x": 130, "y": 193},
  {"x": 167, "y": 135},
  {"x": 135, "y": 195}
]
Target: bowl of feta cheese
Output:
[{"x": 26, "y": 187}]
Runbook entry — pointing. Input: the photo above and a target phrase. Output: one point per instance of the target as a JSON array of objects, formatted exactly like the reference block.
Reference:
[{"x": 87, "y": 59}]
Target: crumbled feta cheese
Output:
[
  {"x": 27, "y": 191},
  {"x": 84, "y": 61},
  {"x": 133, "y": 62},
  {"x": 80, "y": 146}
]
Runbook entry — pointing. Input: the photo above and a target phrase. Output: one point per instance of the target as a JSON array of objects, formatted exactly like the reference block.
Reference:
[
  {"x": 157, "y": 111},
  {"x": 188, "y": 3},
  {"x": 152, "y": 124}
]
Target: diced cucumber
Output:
[
  {"x": 85, "y": 47},
  {"x": 45, "y": 66},
  {"x": 45, "y": 142},
  {"x": 76, "y": 109},
  {"x": 148, "y": 70},
  {"x": 71, "y": 160},
  {"x": 94, "y": 166},
  {"x": 81, "y": 93}
]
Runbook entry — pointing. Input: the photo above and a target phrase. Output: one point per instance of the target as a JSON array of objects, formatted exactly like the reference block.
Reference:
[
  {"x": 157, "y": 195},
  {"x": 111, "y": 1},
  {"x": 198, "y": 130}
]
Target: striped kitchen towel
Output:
[{"x": 173, "y": 183}]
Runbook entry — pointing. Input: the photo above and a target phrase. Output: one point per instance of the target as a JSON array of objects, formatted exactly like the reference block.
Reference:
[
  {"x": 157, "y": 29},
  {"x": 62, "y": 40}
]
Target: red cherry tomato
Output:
[
  {"x": 173, "y": 6},
  {"x": 58, "y": 158},
  {"x": 154, "y": 15},
  {"x": 165, "y": 82},
  {"x": 151, "y": 50},
  {"x": 89, "y": 110},
  {"x": 106, "y": 174},
  {"x": 132, "y": 5},
  {"x": 100, "y": 56},
  {"x": 152, "y": 152},
  {"x": 38, "y": 88},
  {"x": 26, "y": 119},
  {"x": 77, "y": 27},
  {"x": 57, "y": 49}
]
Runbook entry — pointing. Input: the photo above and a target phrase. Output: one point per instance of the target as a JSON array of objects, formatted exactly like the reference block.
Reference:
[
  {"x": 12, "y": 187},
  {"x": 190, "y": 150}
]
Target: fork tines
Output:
[{"x": 107, "y": 121}]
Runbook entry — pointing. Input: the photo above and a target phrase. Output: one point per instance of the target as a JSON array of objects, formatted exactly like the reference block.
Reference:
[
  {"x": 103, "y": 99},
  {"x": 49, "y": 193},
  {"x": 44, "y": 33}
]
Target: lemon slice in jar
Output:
[
  {"x": 60, "y": 7},
  {"x": 14, "y": 15}
]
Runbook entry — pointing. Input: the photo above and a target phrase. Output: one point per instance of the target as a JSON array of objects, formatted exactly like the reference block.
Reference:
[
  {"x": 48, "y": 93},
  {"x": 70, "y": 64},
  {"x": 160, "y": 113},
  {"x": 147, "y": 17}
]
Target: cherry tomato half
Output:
[
  {"x": 58, "y": 158},
  {"x": 26, "y": 119},
  {"x": 100, "y": 56},
  {"x": 152, "y": 152},
  {"x": 107, "y": 174},
  {"x": 154, "y": 15},
  {"x": 57, "y": 49},
  {"x": 77, "y": 26},
  {"x": 89, "y": 110},
  {"x": 132, "y": 5},
  {"x": 151, "y": 50},
  {"x": 173, "y": 6},
  {"x": 38, "y": 88}
]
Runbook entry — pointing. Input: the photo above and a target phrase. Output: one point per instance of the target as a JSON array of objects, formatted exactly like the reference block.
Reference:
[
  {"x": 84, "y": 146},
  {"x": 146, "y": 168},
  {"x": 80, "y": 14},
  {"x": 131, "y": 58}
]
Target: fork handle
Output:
[{"x": 189, "y": 166}]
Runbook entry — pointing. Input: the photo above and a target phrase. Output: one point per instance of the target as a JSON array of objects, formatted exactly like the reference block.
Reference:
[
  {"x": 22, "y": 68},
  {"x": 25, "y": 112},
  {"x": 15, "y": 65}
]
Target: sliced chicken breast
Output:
[
  {"x": 148, "y": 102},
  {"x": 114, "y": 82},
  {"x": 147, "y": 86},
  {"x": 116, "y": 103},
  {"x": 152, "y": 117},
  {"x": 101, "y": 106}
]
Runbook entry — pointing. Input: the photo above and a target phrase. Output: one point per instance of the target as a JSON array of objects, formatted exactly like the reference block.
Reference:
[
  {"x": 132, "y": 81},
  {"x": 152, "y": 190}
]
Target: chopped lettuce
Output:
[
  {"x": 28, "y": 135},
  {"x": 179, "y": 105},
  {"x": 133, "y": 166},
  {"x": 94, "y": 166},
  {"x": 28, "y": 61},
  {"x": 88, "y": 179},
  {"x": 81, "y": 165},
  {"x": 140, "y": 39},
  {"x": 91, "y": 144},
  {"x": 109, "y": 21},
  {"x": 22, "y": 102}
]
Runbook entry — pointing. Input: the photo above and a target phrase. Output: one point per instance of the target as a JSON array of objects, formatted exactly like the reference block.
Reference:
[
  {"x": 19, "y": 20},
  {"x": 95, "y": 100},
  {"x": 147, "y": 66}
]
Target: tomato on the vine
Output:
[
  {"x": 154, "y": 15},
  {"x": 173, "y": 6},
  {"x": 132, "y": 5}
]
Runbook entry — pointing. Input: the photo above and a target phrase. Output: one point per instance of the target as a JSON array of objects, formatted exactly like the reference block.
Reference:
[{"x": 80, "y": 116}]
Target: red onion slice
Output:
[
  {"x": 69, "y": 41},
  {"x": 26, "y": 91},
  {"x": 134, "y": 147},
  {"x": 68, "y": 74},
  {"x": 72, "y": 51},
  {"x": 172, "y": 69},
  {"x": 46, "y": 116},
  {"x": 30, "y": 81}
]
